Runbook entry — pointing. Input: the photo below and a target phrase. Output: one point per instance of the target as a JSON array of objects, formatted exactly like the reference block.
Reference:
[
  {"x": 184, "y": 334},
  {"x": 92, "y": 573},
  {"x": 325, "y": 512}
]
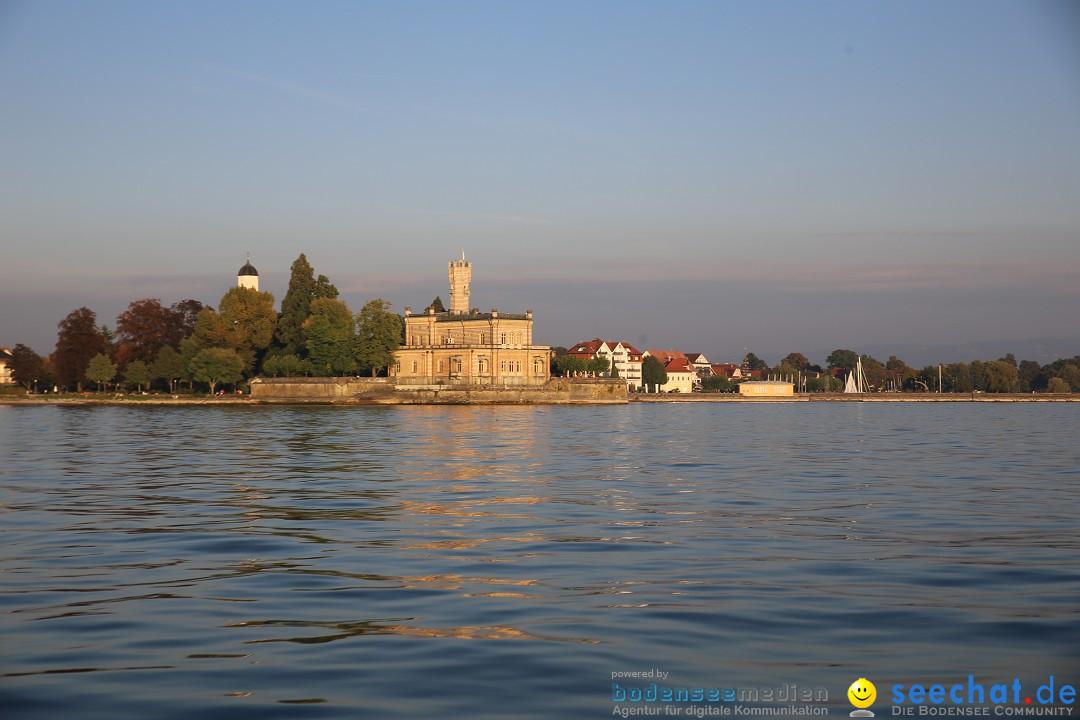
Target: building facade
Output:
[
  {"x": 466, "y": 347},
  {"x": 7, "y": 376},
  {"x": 622, "y": 357}
]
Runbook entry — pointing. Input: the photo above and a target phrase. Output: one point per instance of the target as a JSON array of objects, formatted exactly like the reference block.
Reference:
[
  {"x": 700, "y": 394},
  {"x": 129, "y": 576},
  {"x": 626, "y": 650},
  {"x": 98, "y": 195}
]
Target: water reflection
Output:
[{"x": 274, "y": 555}]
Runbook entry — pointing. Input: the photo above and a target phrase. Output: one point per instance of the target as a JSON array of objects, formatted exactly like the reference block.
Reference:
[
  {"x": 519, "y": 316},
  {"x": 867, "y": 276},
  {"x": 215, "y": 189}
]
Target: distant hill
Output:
[{"x": 1041, "y": 350}]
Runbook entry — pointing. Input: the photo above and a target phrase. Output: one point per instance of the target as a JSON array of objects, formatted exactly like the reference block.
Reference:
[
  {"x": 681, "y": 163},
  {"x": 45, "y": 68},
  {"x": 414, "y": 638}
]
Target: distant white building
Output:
[
  {"x": 622, "y": 357},
  {"x": 7, "y": 377}
]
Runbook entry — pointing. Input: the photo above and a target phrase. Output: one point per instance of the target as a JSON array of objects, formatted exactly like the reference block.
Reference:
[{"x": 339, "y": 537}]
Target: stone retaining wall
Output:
[{"x": 382, "y": 391}]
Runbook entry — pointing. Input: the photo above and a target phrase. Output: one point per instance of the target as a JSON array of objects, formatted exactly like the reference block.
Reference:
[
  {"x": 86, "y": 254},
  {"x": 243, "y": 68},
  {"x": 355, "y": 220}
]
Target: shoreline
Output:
[{"x": 247, "y": 400}]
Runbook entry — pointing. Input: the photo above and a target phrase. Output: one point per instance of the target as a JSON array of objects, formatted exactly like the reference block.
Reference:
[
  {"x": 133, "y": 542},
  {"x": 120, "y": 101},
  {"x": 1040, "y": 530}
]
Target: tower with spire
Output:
[
  {"x": 460, "y": 277},
  {"x": 248, "y": 277}
]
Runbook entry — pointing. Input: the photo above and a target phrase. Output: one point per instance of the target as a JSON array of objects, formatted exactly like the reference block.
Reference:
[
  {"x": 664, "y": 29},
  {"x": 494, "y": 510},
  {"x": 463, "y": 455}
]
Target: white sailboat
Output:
[{"x": 856, "y": 381}]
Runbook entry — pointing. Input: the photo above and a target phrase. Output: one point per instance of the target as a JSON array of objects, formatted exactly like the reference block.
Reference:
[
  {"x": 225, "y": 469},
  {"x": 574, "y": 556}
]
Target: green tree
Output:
[
  {"x": 378, "y": 335},
  {"x": 437, "y": 305},
  {"x": 295, "y": 307},
  {"x": 101, "y": 370},
  {"x": 27, "y": 367},
  {"x": 874, "y": 372},
  {"x": 245, "y": 324},
  {"x": 330, "y": 337},
  {"x": 1057, "y": 385},
  {"x": 568, "y": 365},
  {"x": 78, "y": 340},
  {"x": 1071, "y": 375},
  {"x": 716, "y": 384},
  {"x": 824, "y": 383},
  {"x": 217, "y": 365},
  {"x": 287, "y": 366},
  {"x": 797, "y": 361},
  {"x": 751, "y": 362},
  {"x": 324, "y": 289},
  {"x": 1001, "y": 376},
  {"x": 653, "y": 373},
  {"x": 137, "y": 373},
  {"x": 1031, "y": 376},
  {"x": 598, "y": 366},
  {"x": 168, "y": 366},
  {"x": 956, "y": 378},
  {"x": 787, "y": 372},
  {"x": 846, "y": 359}
]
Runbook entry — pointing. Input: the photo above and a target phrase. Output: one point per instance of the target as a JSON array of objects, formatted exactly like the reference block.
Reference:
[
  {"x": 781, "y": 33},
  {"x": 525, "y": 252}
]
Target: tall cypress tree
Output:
[{"x": 295, "y": 308}]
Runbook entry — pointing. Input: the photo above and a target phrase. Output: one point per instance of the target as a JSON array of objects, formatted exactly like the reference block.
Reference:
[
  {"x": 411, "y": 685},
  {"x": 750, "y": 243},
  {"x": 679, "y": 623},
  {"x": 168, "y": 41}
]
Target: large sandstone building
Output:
[{"x": 467, "y": 347}]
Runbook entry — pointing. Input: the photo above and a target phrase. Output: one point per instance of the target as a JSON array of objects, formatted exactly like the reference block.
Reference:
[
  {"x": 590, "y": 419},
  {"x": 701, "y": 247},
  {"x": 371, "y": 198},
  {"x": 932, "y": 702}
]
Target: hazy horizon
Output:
[{"x": 705, "y": 176}]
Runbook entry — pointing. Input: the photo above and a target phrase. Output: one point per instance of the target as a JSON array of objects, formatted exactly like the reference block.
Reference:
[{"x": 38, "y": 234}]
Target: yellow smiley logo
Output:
[{"x": 862, "y": 693}]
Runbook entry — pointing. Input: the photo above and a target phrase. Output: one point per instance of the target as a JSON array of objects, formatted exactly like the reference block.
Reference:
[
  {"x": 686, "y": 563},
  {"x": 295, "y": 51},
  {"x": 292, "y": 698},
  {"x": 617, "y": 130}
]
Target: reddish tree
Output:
[
  {"x": 78, "y": 340},
  {"x": 147, "y": 326},
  {"x": 184, "y": 314},
  {"x": 143, "y": 329}
]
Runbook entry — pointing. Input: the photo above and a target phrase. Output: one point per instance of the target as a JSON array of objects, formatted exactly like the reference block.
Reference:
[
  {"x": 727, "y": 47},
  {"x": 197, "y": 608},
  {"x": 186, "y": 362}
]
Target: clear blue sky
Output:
[{"x": 784, "y": 176}]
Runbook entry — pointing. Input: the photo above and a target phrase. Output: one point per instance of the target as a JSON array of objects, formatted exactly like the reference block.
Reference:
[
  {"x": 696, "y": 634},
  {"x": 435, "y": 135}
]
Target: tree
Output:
[
  {"x": 1057, "y": 385},
  {"x": 330, "y": 337},
  {"x": 846, "y": 359},
  {"x": 78, "y": 340},
  {"x": 378, "y": 335},
  {"x": 752, "y": 362},
  {"x": 138, "y": 373},
  {"x": 786, "y": 371},
  {"x": 569, "y": 365},
  {"x": 653, "y": 373},
  {"x": 825, "y": 383},
  {"x": 598, "y": 366},
  {"x": 296, "y": 306},
  {"x": 244, "y": 324},
  {"x": 1001, "y": 376},
  {"x": 1071, "y": 375},
  {"x": 168, "y": 366},
  {"x": 27, "y": 367},
  {"x": 324, "y": 289},
  {"x": 101, "y": 370},
  {"x": 716, "y": 384},
  {"x": 956, "y": 378},
  {"x": 144, "y": 328},
  {"x": 874, "y": 371},
  {"x": 797, "y": 361},
  {"x": 183, "y": 317},
  {"x": 1031, "y": 376},
  {"x": 217, "y": 365},
  {"x": 286, "y": 365},
  {"x": 437, "y": 305}
]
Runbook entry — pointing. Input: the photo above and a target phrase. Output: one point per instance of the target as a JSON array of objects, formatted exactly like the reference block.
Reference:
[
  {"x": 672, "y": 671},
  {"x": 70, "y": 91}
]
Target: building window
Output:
[
  {"x": 483, "y": 338},
  {"x": 503, "y": 339},
  {"x": 502, "y": 366},
  {"x": 440, "y": 366},
  {"x": 414, "y": 366},
  {"x": 483, "y": 365}
]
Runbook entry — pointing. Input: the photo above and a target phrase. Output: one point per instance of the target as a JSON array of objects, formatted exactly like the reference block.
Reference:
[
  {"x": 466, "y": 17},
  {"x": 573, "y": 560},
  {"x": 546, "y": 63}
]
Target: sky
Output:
[{"x": 705, "y": 176}]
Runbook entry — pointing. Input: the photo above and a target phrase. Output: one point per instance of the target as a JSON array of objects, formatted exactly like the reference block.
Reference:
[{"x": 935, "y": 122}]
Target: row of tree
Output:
[
  {"x": 314, "y": 334},
  {"x": 1003, "y": 375}
]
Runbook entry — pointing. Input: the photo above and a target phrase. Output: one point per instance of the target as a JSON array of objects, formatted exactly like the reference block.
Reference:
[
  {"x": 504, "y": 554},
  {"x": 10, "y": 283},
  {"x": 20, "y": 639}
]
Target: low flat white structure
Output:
[{"x": 767, "y": 388}]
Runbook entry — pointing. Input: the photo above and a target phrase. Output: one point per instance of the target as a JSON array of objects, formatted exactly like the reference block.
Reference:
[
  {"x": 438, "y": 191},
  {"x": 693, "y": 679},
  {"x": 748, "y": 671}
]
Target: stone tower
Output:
[
  {"x": 460, "y": 276},
  {"x": 248, "y": 277}
]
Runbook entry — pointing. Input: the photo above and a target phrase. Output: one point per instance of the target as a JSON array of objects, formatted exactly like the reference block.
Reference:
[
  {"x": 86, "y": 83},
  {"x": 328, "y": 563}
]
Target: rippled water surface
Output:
[{"x": 492, "y": 562}]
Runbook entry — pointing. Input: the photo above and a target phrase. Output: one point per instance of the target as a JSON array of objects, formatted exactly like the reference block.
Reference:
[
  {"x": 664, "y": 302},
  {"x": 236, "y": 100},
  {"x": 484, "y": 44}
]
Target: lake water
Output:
[{"x": 503, "y": 562}]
